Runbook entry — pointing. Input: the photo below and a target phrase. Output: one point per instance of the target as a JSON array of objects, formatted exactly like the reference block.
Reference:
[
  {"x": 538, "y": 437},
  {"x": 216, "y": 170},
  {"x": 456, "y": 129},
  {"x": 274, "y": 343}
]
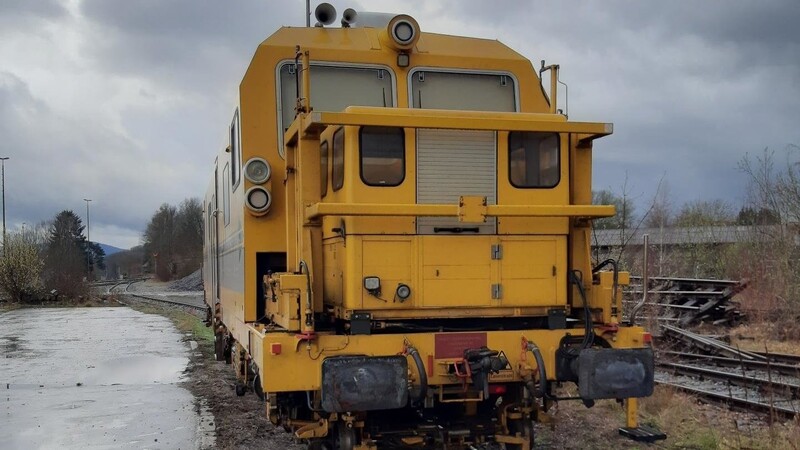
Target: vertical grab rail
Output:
[{"x": 645, "y": 282}]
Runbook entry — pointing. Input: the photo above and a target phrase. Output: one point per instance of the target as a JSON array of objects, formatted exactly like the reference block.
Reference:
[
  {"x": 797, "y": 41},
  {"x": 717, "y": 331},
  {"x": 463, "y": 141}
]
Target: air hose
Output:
[
  {"x": 423, "y": 375},
  {"x": 542, "y": 390}
]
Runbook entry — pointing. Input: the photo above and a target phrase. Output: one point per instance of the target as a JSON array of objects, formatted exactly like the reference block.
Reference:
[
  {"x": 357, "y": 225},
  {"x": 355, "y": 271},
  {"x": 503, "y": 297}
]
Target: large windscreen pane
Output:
[
  {"x": 336, "y": 88},
  {"x": 463, "y": 91}
]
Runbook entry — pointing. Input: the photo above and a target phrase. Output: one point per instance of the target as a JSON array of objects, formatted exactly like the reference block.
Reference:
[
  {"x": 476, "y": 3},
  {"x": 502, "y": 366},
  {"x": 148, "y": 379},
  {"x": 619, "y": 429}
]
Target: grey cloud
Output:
[
  {"x": 186, "y": 44},
  {"x": 56, "y": 161},
  {"x": 14, "y": 10}
]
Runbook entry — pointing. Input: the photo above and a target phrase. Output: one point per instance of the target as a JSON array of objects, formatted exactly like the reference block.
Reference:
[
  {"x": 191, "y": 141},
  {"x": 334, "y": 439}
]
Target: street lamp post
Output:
[
  {"x": 88, "y": 240},
  {"x": 3, "y": 170}
]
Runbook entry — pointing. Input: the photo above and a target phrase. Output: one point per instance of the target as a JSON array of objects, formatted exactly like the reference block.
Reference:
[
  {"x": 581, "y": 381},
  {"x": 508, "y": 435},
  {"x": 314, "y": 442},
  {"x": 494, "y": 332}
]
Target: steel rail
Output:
[
  {"x": 736, "y": 378},
  {"x": 738, "y": 401},
  {"x": 689, "y": 280},
  {"x": 780, "y": 357},
  {"x": 196, "y": 307},
  {"x": 779, "y": 367}
]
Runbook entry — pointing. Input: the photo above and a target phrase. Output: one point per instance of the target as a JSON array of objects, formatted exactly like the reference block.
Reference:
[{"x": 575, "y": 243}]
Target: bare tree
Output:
[
  {"x": 770, "y": 257},
  {"x": 21, "y": 267},
  {"x": 660, "y": 214},
  {"x": 173, "y": 240}
]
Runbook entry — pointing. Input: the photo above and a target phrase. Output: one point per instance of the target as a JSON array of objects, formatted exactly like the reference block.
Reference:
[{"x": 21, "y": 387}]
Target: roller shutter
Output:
[{"x": 452, "y": 163}]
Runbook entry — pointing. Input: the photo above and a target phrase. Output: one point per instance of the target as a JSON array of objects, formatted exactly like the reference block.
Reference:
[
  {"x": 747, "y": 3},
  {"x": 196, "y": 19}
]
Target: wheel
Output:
[
  {"x": 525, "y": 428},
  {"x": 219, "y": 346},
  {"x": 259, "y": 391},
  {"x": 319, "y": 444},
  {"x": 241, "y": 389},
  {"x": 347, "y": 437},
  {"x": 228, "y": 351}
]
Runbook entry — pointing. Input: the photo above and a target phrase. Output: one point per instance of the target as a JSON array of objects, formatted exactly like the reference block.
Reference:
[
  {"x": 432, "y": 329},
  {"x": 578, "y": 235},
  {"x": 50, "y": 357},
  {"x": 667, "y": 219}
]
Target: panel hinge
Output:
[
  {"x": 497, "y": 292},
  {"x": 497, "y": 251}
]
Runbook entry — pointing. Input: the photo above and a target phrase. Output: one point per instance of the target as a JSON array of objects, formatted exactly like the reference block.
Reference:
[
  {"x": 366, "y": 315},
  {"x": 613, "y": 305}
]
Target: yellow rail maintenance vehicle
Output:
[{"x": 397, "y": 242}]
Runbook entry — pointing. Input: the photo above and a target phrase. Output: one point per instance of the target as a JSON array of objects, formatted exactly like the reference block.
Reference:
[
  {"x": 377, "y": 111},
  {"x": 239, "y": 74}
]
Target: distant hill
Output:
[{"x": 110, "y": 249}]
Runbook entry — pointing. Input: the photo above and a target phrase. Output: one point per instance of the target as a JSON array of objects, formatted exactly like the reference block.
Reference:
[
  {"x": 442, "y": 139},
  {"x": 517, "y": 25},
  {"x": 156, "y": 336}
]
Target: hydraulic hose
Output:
[
  {"x": 423, "y": 375},
  {"x": 542, "y": 390}
]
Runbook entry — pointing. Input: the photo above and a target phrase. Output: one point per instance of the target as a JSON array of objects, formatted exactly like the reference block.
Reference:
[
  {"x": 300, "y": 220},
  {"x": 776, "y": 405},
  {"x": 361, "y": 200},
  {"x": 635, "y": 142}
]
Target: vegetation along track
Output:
[
  {"x": 168, "y": 298},
  {"x": 767, "y": 384}
]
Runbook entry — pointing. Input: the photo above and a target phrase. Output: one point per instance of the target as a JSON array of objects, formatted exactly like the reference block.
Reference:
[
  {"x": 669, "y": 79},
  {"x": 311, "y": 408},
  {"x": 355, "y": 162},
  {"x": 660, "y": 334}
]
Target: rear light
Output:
[
  {"x": 497, "y": 389},
  {"x": 258, "y": 200}
]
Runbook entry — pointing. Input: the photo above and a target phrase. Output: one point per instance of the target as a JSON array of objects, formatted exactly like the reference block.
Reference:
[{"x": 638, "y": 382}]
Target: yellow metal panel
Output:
[
  {"x": 333, "y": 261},
  {"x": 393, "y": 261},
  {"x": 456, "y": 270},
  {"x": 472, "y": 209},
  {"x": 533, "y": 271}
]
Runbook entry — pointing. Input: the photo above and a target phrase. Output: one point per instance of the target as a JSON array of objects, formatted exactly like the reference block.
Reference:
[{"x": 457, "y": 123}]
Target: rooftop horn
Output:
[
  {"x": 325, "y": 14},
  {"x": 349, "y": 17}
]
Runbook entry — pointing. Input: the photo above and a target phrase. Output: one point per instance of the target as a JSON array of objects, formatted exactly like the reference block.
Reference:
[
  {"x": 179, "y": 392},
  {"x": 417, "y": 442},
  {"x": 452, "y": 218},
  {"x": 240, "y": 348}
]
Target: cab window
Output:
[
  {"x": 323, "y": 170},
  {"x": 382, "y": 156},
  {"x": 533, "y": 159},
  {"x": 337, "y": 177}
]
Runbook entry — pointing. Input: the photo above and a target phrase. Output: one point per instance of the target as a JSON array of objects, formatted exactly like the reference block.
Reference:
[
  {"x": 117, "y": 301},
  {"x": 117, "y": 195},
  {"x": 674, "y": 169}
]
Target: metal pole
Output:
[
  {"x": 88, "y": 241},
  {"x": 3, "y": 170},
  {"x": 308, "y": 13}
]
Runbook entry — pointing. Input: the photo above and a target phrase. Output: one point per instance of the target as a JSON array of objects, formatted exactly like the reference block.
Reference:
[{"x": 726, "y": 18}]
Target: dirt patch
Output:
[{"x": 241, "y": 422}]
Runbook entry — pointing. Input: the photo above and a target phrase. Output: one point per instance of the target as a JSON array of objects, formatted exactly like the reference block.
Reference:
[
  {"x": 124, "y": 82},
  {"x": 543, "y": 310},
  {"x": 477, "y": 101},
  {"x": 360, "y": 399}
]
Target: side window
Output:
[
  {"x": 337, "y": 177},
  {"x": 382, "y": 156},
  {"x": 533, "y": 159},
  {"x": 323, "y": 170},
  {"x": 226, "y": 195},
  {"x": 236, "y": 150}
]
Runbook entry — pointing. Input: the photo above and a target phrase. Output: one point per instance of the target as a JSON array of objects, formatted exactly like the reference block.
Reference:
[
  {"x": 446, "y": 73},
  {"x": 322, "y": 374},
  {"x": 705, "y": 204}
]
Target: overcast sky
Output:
[{"x": 125, "y": 102}]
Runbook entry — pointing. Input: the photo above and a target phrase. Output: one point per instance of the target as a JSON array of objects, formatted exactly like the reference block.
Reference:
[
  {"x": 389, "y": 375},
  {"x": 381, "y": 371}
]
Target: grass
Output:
[
  {"x": 691, "y": 424},
  {"x": 5, "y": 307}
]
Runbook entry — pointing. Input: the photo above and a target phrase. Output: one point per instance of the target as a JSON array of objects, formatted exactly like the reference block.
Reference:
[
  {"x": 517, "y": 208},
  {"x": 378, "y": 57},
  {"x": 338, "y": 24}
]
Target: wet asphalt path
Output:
[{"x": 94, "y": 378}]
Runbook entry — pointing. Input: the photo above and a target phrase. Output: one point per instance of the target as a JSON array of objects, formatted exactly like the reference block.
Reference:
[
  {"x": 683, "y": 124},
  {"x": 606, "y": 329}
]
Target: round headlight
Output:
[
  {"x": 403, "y": 292},
  {"x": 403, "y": 32},
  {"x": 257, "y": 170},
  {"x": 258, "y": 200}
]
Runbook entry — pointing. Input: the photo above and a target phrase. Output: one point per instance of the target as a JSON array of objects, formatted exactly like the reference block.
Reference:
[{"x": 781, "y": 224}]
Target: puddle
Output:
[
  {"x": 140, "y": 369},
  {"x": 96, "y": 378}
]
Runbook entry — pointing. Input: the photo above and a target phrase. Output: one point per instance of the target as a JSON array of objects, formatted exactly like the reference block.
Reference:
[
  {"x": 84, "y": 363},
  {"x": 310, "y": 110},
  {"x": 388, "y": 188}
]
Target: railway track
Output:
[
  {"x": 715, "y": 371},
  {"x": 167, "y": 298}
]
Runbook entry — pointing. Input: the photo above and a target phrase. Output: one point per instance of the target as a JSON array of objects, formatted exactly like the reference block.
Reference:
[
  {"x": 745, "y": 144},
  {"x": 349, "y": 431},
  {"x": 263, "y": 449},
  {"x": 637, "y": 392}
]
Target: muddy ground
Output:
[{"x": 241, "y": 422}]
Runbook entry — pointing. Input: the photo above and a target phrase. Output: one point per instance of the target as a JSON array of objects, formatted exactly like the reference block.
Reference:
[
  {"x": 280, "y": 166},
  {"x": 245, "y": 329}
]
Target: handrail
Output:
[
  {"x": 317, "y": 121},
  {"x": 318, "y": 210}
]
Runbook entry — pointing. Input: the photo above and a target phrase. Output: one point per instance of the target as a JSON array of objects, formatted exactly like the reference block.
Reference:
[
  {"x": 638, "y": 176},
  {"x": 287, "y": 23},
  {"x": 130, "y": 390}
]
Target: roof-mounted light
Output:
[{"x": 402, "y": 32}]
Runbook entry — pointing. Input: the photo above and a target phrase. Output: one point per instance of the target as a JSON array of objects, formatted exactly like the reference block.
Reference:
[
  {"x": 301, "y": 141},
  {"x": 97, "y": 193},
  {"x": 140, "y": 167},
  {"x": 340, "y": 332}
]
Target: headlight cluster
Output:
[{"x": 258, "y": 198}]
